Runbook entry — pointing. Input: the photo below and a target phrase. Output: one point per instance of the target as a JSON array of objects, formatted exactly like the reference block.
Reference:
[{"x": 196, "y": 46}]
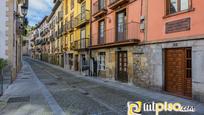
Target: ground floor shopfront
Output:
[
  {"x": 77, "y": 61},
  {"x": 172, "y": 67},
  {"x": 113, "y": 63}
]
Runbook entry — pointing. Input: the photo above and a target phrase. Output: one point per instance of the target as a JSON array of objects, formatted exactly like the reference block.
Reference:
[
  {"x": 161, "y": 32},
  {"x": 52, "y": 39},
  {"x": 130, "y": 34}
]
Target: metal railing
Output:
[
  {"x": 82, "y": 18},
  {"x": 99, "y": 5},
  {"x": 70, "y": 25},
  {"x": 115, "y": 2},
  {"x": 83, "y": 43},
  {"x": 120, "y": 33}
]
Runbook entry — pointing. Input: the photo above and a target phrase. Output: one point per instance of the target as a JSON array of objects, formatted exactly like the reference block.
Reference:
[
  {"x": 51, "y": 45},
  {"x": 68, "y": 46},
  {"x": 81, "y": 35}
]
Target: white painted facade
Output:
[{"x": 3, "y": 28}]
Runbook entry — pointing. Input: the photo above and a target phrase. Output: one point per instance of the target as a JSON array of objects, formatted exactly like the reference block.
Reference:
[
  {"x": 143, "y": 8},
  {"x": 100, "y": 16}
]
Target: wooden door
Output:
[
  {"x": 122, "y": 64},
  {"x": 62, "y": 61},
  {"x": 178, "y": 75},
  {"x": 76, "y": 62}
]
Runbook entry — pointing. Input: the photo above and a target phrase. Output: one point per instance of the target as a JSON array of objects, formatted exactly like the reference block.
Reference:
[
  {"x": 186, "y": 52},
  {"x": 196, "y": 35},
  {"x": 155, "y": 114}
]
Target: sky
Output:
[{"x": 38, "y": 9}]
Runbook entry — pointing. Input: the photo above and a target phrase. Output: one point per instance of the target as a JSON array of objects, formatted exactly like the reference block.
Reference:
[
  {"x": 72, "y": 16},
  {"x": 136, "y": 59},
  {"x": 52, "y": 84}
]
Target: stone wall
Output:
[{"x": 149, "y": 68}]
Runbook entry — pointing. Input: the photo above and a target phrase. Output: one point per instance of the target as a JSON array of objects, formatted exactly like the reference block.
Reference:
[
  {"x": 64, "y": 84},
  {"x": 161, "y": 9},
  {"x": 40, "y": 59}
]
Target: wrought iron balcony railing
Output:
[
  {"x": 70, "y": 25},
  {"x": 115, "y": 3},
  {"x": 82, "y": 18},
  {"x": 121, "y": 33},
  {"x": 81, "y": 44},
  {"x": 99, "y": 8}
]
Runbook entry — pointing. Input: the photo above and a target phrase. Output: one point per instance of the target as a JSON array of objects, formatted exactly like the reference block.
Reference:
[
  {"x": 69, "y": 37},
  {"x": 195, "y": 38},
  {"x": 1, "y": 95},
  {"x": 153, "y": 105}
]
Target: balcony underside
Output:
[
  {"x": 117, "y": 3},
  {"x": 116, "y": 44},
  {"x": 100, "y": 13},
  {"x": 81, "y": 24}
]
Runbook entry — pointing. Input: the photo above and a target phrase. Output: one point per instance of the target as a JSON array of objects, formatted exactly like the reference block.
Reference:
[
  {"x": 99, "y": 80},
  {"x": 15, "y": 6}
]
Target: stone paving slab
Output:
[{"x": 24, "y": 86}]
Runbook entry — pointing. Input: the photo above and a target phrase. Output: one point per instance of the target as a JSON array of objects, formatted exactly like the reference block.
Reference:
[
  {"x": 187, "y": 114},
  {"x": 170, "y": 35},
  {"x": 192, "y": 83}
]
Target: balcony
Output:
[
  {"x": 64, "y": 28},
  {"x": 70, "y": 25},
  {"x": 82, "y": 44},
  {"x": 123, "y": 34},
  {"x": 82, "y": 18},
  {"x": 80, "y": 1},
  {"x": 56, "y": 34},
  {"x": 61, "y": 30},
  {"x": 113, "y": 4},
  {"x": 60, "y": 16},
  {"x": 65, "y": 48},
  {"x": 99, "y": 8}
]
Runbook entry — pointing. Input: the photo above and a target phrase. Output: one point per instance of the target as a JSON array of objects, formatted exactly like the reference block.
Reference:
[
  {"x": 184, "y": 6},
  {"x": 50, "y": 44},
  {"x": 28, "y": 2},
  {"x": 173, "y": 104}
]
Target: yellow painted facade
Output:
[{"x": 77, "y": 31}]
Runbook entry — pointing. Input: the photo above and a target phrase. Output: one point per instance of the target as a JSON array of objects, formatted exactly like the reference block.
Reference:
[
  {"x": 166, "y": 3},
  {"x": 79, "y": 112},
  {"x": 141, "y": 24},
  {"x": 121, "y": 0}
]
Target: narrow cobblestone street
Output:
[{"x": 80, "y": 96}]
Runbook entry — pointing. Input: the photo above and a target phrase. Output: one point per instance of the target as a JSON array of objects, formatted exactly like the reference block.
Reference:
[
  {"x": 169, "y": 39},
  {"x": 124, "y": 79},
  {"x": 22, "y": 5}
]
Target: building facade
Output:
[
  {"x": 115, "y": 32},
  {"x": 3, "y": 37},
  {"x": 77, "y": 35},
  {"x": 11, "y": 29},
  {"x": 170, "y": 59},
  {"x": 132, "y": 41}
]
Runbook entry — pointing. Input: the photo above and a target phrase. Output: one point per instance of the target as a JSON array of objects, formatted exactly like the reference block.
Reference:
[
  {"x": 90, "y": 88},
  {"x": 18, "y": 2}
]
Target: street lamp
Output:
[{"x": 24, "y": 10}]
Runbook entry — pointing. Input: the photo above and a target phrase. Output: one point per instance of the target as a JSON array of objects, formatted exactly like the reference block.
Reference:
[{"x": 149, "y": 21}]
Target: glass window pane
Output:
[
  {"x": 184, "y": 4},
  {"x": 173, "y": 6}
]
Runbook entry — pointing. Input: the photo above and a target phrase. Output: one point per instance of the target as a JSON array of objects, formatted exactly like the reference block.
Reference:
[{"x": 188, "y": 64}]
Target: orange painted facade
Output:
[
  {"x": 155, "y": 33},
  {"x": 133, "y": 13},
  {"x": 157, "y": 19}
]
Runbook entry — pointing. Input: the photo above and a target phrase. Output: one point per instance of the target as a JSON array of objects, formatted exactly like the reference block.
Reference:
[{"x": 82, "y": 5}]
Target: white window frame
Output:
[{"x": 102, "y": 61}]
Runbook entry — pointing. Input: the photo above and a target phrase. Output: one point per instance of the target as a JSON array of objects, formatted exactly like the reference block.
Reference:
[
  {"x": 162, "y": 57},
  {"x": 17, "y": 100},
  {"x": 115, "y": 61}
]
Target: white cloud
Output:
[{"x": 38, "y": 9}]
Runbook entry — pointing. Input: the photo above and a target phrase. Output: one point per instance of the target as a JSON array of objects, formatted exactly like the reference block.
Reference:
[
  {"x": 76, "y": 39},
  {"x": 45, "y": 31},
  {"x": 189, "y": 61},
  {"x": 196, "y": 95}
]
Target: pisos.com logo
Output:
[{"x": 136, "y": 108}]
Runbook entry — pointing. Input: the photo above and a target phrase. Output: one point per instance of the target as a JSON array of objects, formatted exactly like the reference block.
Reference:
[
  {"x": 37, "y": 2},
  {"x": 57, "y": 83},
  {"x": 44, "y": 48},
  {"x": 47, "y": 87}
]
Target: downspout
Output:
[
  {"x": 90, "y": 39},
  {"x": 146, "y": 22}
]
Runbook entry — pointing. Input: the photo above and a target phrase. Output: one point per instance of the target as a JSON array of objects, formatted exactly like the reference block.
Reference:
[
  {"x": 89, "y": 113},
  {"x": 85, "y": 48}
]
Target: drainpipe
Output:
[
  {"x": 146, "y": 21},
  {"x": 90, "y": 39}
]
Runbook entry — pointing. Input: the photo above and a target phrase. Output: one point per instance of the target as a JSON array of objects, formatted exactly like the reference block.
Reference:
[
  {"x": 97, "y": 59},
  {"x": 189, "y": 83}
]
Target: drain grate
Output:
[
  {"x": 18, "y": 99},
  {"x": 51, "y": 83},
  {"x": 25, "y": 78},
  {"x": 59, "y": 78},
  {"x": 26, "y": 73}
]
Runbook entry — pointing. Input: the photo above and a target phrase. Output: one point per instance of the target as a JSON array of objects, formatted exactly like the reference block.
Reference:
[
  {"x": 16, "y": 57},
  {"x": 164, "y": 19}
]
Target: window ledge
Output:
[{"x": 178, "y": 13}]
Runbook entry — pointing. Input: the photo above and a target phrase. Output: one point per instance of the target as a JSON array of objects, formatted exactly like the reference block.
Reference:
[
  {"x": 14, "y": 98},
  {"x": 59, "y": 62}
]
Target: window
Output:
[
  {"x": 121, "y": 23},
  {"x": 83, "y": 11},
  {"x": 101, "y": 4},
  {"x": 72, "y": 4},
  {"x": 83, "y": 38},
  {"x": 174, "y": 6},
  {"x": 66, "y": 6},
  {"x": 101, "y": 61},
  {"x": 101, "y": 31},
  {"x": 71, "y": 38}
]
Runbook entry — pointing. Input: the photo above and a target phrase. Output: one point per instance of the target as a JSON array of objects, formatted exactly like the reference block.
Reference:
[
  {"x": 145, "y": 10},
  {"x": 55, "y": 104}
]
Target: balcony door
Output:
[
  {"x": 83, "y": 11},
  {"x": 101, "y": 4},
  {"x": 101, "y": 32},
  {"x": 121, "y": 26},
  {"x": 83, "y": 38}
]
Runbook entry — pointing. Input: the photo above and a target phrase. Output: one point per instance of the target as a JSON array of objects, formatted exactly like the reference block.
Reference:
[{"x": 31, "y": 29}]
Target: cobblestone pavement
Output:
[{"x": 78, "y": 96}]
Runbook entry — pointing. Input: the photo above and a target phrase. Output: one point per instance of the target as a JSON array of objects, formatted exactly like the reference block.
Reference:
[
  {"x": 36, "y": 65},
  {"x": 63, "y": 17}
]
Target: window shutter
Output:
[{"x": 167, "y": 7}]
